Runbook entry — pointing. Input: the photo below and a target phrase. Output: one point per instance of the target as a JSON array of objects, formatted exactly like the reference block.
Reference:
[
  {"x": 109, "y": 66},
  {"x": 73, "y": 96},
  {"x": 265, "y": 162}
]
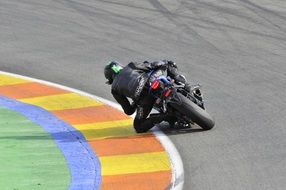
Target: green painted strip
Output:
[{"x": 29, "y": 158}]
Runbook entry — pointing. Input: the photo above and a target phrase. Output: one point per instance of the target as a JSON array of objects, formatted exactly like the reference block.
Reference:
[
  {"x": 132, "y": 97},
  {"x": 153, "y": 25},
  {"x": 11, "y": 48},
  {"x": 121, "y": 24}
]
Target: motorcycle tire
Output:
[{"x": 192, "y": 111}]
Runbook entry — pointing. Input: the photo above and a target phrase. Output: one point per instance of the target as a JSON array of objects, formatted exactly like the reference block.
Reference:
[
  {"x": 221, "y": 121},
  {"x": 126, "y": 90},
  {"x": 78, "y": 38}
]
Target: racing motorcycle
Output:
[{"x": 186, "y": 105}]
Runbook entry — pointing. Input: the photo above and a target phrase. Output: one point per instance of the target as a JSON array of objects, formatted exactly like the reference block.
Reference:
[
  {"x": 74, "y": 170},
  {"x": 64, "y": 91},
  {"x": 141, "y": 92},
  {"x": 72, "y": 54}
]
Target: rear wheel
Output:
[{"x": 192, "y": 111}]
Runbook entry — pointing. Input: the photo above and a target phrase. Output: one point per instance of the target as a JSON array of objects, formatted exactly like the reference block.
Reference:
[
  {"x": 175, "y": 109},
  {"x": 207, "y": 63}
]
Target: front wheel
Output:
[{"x": 192, "y": 111}]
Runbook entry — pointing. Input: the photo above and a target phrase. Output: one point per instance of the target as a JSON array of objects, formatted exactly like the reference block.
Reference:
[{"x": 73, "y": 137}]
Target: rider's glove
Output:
[
  {"x": 180, "y": 78},
  {"x": 172, "y": 64},
  {"x": 187, "y": 87},
  {"x": 165, "y": 65},
  {"x": 161, "y": 64}
]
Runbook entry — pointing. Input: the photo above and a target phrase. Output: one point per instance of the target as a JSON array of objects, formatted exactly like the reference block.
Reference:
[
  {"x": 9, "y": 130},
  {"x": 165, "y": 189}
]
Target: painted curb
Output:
[{"x": 175, "y": 159}]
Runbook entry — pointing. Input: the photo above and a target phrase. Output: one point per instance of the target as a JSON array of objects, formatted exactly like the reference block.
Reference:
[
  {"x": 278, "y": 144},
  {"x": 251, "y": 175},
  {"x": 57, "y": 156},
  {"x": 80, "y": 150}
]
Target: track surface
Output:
[{"x": 235, "y": 48}]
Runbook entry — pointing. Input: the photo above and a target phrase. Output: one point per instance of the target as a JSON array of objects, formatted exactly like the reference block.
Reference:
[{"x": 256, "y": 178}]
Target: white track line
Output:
[{"x": 176, "y": 161}]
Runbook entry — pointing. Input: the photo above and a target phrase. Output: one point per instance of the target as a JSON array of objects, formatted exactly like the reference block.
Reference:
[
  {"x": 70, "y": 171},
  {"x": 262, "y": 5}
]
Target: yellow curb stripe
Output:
[
  {"x": 7, "y": 80},
  {"x": 96, "y": 134},
  {"x": 135, "y": 163},
  {"x": 110, "y": 129},
  {"x": 105, "y": 125},
  {"x": 61, "y": 102}
]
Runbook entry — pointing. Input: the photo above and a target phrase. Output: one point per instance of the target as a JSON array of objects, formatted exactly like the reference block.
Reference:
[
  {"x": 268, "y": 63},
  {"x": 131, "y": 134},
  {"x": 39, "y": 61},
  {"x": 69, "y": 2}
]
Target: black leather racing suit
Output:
[{"x": 131, "y": 83}]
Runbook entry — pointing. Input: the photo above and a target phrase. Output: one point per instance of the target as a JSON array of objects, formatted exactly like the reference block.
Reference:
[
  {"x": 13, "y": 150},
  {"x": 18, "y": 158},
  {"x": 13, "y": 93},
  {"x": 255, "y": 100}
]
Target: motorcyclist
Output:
[{"x": 132, "y": 82}]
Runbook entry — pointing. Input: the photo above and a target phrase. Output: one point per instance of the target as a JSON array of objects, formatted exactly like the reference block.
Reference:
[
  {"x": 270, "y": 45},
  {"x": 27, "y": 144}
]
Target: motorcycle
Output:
[{"x": 173, "y": 98}]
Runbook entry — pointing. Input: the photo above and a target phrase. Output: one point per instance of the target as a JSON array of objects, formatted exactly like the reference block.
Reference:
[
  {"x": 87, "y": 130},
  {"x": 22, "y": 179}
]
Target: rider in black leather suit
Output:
[{"x": 132, "y": 81}]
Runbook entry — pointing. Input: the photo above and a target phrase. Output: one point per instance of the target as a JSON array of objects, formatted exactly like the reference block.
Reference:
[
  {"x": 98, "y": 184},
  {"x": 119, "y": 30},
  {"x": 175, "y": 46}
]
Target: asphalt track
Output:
[{"x": 235, "y": 49}]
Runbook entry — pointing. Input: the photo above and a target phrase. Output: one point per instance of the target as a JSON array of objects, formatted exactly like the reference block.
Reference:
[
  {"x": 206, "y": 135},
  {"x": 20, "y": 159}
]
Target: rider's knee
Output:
[
  {"x": 140, "y": 130},
  {"x": 140, "y": 126}
]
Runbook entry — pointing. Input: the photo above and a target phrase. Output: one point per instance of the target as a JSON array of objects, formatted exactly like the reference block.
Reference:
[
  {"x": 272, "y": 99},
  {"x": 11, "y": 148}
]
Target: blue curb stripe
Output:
[{"x": 82, "y": 161}]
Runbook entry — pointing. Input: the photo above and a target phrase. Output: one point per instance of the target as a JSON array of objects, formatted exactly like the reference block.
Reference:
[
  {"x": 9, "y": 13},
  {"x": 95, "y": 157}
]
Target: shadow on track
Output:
[{"x": 177, "y": 131}]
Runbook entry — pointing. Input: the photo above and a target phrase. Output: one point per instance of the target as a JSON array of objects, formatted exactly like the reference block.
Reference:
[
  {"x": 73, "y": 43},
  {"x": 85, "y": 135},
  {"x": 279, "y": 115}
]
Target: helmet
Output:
[{"x": 111, "y": 70}]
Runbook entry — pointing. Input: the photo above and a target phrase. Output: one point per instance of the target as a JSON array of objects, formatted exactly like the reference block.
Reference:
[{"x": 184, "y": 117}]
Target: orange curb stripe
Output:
[
  {"x": 29, "y": 90},
  {"x": 90, "y": 115},
  {"x": 143, "y": 181},
  {"x": 126, "y": 145}
]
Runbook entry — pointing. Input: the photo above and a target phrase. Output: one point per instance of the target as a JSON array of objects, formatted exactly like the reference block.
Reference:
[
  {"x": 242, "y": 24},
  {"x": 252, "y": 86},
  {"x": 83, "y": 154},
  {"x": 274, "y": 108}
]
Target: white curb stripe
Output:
[{"x": 176, "y": 161}]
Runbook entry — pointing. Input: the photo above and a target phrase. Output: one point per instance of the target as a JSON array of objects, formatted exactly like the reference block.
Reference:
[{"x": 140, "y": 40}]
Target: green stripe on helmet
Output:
[{"x": 116, "y": 68}]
